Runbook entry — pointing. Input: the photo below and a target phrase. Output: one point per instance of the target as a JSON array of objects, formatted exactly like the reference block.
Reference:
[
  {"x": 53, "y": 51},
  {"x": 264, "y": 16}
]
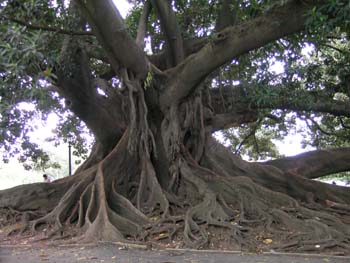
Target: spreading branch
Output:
[
  {"x": 232, "y": 99},
  {"x": 324, "y": 105},
  {"x": 142, "y": 27},
  {"x": 315, "y": 164},
  {"x": 107, "y": 24},
  {"x": 171, "y": 29},
  {"x": 77, "y": 86},
  {"x": 233, "y": 42}
]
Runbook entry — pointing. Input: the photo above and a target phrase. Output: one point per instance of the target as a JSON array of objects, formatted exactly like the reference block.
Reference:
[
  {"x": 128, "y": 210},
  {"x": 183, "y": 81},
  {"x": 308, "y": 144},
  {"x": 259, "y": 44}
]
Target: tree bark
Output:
[
  {"x": 230, "y": 43},
  {"x": 172, "y": 31},
  {"x": 108, "y": 26},
  {"x": 315, "y": 164}
]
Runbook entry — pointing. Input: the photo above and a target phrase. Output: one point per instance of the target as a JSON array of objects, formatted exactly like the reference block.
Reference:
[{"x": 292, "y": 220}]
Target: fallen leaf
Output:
[
  {"x": 267, "y": 241},
  {"x": 162, "y": 234}
]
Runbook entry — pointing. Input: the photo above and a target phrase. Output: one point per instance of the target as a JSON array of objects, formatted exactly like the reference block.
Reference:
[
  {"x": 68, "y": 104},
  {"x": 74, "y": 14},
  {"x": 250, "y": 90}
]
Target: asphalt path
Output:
[{"x": 112, "y": 253}]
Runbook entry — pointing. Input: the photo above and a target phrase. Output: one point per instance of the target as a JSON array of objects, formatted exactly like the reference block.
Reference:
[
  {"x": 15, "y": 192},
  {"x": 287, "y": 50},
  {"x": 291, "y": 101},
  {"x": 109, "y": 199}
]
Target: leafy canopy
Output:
[{"x": 317, "y": 61}]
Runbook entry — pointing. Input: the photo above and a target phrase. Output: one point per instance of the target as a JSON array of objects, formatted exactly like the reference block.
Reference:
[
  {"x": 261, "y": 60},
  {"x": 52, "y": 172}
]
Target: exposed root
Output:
[
  {"x": 101, "y": 222},
  {"x": 120, "y": 199},
  {"x": 150, "y": 193},
  {"x": 14, "y": 221},
  {"x": 212, "y": 210},
  {"x": 165, "y": 228},
  {"x": 57, "y": 216}
]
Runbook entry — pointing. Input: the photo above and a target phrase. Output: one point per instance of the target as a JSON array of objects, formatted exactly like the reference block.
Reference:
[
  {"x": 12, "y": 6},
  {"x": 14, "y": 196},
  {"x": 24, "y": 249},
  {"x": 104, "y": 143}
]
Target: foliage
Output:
[
  {"x": 27, "y": 62},
  {"x": 318, "y": 63}
]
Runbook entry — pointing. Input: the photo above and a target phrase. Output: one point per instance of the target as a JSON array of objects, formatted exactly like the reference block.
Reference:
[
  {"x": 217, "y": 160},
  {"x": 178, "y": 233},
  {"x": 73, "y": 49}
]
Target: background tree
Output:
[{"x": 155, "y": 170}]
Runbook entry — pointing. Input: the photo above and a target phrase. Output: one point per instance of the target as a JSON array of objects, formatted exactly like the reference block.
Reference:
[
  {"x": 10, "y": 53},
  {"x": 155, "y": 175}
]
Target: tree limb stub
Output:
[{"x": 232, "y": 119}]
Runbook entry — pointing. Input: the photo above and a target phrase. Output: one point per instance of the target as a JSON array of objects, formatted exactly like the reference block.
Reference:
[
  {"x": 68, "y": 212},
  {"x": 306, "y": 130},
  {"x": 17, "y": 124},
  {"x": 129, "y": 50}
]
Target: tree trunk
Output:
[
  {"x": 156, "y": 172},
  {"x": 171, "y": 179}
]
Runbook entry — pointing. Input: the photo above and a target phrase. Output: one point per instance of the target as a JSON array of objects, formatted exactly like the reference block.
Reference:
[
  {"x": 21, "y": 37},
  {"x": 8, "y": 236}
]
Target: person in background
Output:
[{"x": 47, "y": 178}]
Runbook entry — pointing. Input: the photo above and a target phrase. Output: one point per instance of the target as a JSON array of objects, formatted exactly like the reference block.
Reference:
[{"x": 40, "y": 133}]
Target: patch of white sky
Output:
[{"x": 123, "y": 7}]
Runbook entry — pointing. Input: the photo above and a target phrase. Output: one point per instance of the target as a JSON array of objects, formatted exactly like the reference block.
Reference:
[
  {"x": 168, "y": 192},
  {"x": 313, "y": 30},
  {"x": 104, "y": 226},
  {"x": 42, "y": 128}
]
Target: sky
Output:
[{"x": 122, "y": 6}]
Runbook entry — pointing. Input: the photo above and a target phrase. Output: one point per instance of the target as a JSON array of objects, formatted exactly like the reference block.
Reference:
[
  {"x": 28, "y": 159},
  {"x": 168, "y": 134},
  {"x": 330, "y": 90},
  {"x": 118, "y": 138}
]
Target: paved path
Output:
[{"x": 111, "y": 253}]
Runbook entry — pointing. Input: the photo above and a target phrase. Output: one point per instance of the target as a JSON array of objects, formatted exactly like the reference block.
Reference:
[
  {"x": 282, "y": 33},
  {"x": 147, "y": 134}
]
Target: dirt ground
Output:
[
  {"x": 112, "y": 253},
  {"x": 31, "y": 250}
]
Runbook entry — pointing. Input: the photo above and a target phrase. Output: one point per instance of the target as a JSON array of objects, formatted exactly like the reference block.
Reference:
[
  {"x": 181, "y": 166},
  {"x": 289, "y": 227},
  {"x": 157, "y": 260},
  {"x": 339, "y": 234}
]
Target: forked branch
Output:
[
  {"x": 233, "y": 42},
  {"x": 107, "y": 24},
  {"x": 171, "y": 30}
]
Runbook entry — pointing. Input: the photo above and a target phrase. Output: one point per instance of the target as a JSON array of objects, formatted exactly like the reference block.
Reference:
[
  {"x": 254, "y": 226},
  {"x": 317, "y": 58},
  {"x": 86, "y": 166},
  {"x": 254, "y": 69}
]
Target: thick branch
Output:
[
  {"x": 103, "y": 116},
  {"x": 221, "y": 160},
  {"x": 315, "y": 164},
  {"x": 171, "y": 29},
  {"x": 233, "y": 42},
  {"x": 227, "y": 14},
  {"x": 142, "y": 27},
  {"x": 307, "y": 101},
  {"x": 227, "y": 98},
  {"x": 108, "y": 25}
]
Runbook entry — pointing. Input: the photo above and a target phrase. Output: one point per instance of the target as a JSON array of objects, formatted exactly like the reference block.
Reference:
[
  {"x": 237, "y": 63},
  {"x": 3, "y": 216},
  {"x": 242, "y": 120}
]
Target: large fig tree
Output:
[{"x": 153, "y": 88}]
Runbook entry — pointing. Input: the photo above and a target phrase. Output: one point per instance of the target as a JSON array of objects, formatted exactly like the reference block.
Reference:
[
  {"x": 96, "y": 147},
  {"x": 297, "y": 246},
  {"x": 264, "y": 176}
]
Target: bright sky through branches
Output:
[{"x": 123, "y": 6}]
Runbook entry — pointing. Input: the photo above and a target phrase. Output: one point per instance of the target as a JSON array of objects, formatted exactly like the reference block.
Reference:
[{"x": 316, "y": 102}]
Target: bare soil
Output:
[
  {"x": 112, "y": 253},
  {"x": 33, "y": 249}
]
